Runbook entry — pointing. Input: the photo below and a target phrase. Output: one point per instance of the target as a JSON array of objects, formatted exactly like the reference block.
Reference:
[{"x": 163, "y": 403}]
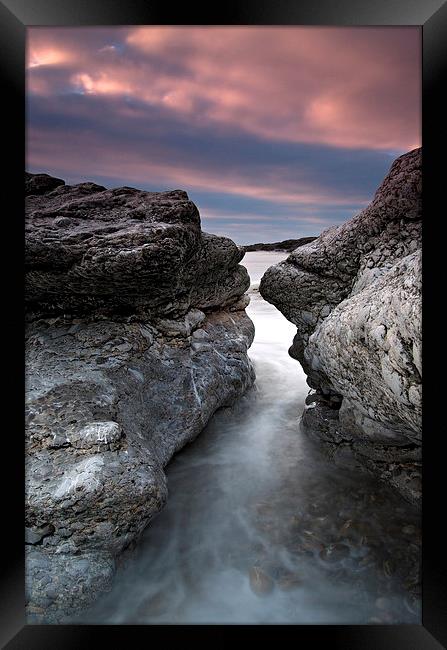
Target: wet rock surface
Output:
[
  {"x": 260, "y": 582},
  {"x": 354, "y": 295},
  {"x": 136, "y": 335},
  {"x": 345, "y": 536},
  {"x": 341, "y": 528}
]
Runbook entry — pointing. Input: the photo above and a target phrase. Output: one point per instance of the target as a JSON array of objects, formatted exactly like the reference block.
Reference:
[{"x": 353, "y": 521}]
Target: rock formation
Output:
[
  {"x": 354, "y": 295},
  {"x": 136, "y": 334},
  {"x": 287, "y": 245}
]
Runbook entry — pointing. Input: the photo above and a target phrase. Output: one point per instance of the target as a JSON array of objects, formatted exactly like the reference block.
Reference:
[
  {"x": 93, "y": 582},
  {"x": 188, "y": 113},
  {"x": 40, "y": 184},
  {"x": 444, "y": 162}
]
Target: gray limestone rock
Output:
[
  {"x": 354, "y": 295},
  {"x": 136, "y": 335}
]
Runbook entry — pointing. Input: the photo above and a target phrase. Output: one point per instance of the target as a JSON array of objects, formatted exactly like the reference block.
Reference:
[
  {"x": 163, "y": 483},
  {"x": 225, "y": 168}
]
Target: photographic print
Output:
[{"x": 223, "y": 305}]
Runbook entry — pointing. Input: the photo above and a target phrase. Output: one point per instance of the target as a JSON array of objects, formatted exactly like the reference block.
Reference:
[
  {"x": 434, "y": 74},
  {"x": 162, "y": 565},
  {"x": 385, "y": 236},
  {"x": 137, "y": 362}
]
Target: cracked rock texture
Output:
[
  {"x": 354, "y": 295},
  {"x": 136, "y": 334}
]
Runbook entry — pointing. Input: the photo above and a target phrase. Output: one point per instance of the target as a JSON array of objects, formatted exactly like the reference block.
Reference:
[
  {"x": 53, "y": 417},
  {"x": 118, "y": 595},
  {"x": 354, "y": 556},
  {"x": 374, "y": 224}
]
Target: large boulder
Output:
[
  {"x": 136, "y": 334},
  {"x": 124, "y": 252},
  {"x": 354, "y": 295}
]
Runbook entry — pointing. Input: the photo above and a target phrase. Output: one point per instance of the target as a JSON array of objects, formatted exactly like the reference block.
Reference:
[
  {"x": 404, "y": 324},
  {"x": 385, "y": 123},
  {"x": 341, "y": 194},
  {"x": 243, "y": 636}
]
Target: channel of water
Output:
[{"x": 260, "y": 527}]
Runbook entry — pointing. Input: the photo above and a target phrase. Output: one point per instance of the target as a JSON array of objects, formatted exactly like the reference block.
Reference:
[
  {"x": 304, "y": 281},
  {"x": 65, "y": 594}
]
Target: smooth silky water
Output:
[{"x": 260, "y": 527}]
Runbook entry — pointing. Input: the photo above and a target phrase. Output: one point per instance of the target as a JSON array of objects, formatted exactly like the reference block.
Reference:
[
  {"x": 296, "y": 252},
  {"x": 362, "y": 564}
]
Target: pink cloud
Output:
[{"x": 345, "y": 87}]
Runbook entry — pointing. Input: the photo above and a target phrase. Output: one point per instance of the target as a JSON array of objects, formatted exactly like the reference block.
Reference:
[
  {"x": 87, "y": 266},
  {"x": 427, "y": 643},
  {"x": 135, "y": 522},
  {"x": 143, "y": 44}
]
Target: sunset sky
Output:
[{"x": 274, "y": 132}]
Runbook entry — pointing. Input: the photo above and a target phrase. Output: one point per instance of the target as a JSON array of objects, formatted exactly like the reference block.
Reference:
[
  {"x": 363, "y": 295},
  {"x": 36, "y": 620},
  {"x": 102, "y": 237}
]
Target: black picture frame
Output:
[{"x": 15, "y": 17}]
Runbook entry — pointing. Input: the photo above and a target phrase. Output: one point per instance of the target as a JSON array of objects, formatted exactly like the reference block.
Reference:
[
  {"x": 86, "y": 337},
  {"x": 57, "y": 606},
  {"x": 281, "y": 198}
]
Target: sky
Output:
[{"x": 274, "y": 132}]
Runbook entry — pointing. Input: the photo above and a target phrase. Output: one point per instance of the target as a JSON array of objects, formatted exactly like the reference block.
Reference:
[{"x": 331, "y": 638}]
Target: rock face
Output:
[
  {"x": 124, "y": 252},
  {"x": 285, "y": 245},
  {"x": 354, "y": 295},
  {"x": 136, "y": 334}
]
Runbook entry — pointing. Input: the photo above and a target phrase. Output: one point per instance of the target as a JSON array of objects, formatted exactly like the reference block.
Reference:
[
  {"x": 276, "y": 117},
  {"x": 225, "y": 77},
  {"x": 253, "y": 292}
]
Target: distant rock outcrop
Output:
[
  {"x": 355, "y": 296},
  {"x": 287, "y": 245},
  {"x": 136, "y": 334}
]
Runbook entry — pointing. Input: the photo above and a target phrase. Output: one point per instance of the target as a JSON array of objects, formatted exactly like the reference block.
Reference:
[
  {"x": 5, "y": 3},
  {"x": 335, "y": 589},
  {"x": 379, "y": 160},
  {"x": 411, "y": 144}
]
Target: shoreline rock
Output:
[
  {"x": 287, "y": 245},
  {"x": 136, "y": 335},
  {"x": 354, "y": 295}
]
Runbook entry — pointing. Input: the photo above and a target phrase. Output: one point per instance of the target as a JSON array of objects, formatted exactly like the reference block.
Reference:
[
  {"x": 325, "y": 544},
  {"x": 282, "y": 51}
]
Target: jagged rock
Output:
[
  {"x": 355, "y": 296},
  {"x": 125, "y": 252},
  {"x": 136, "y": 335}
]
